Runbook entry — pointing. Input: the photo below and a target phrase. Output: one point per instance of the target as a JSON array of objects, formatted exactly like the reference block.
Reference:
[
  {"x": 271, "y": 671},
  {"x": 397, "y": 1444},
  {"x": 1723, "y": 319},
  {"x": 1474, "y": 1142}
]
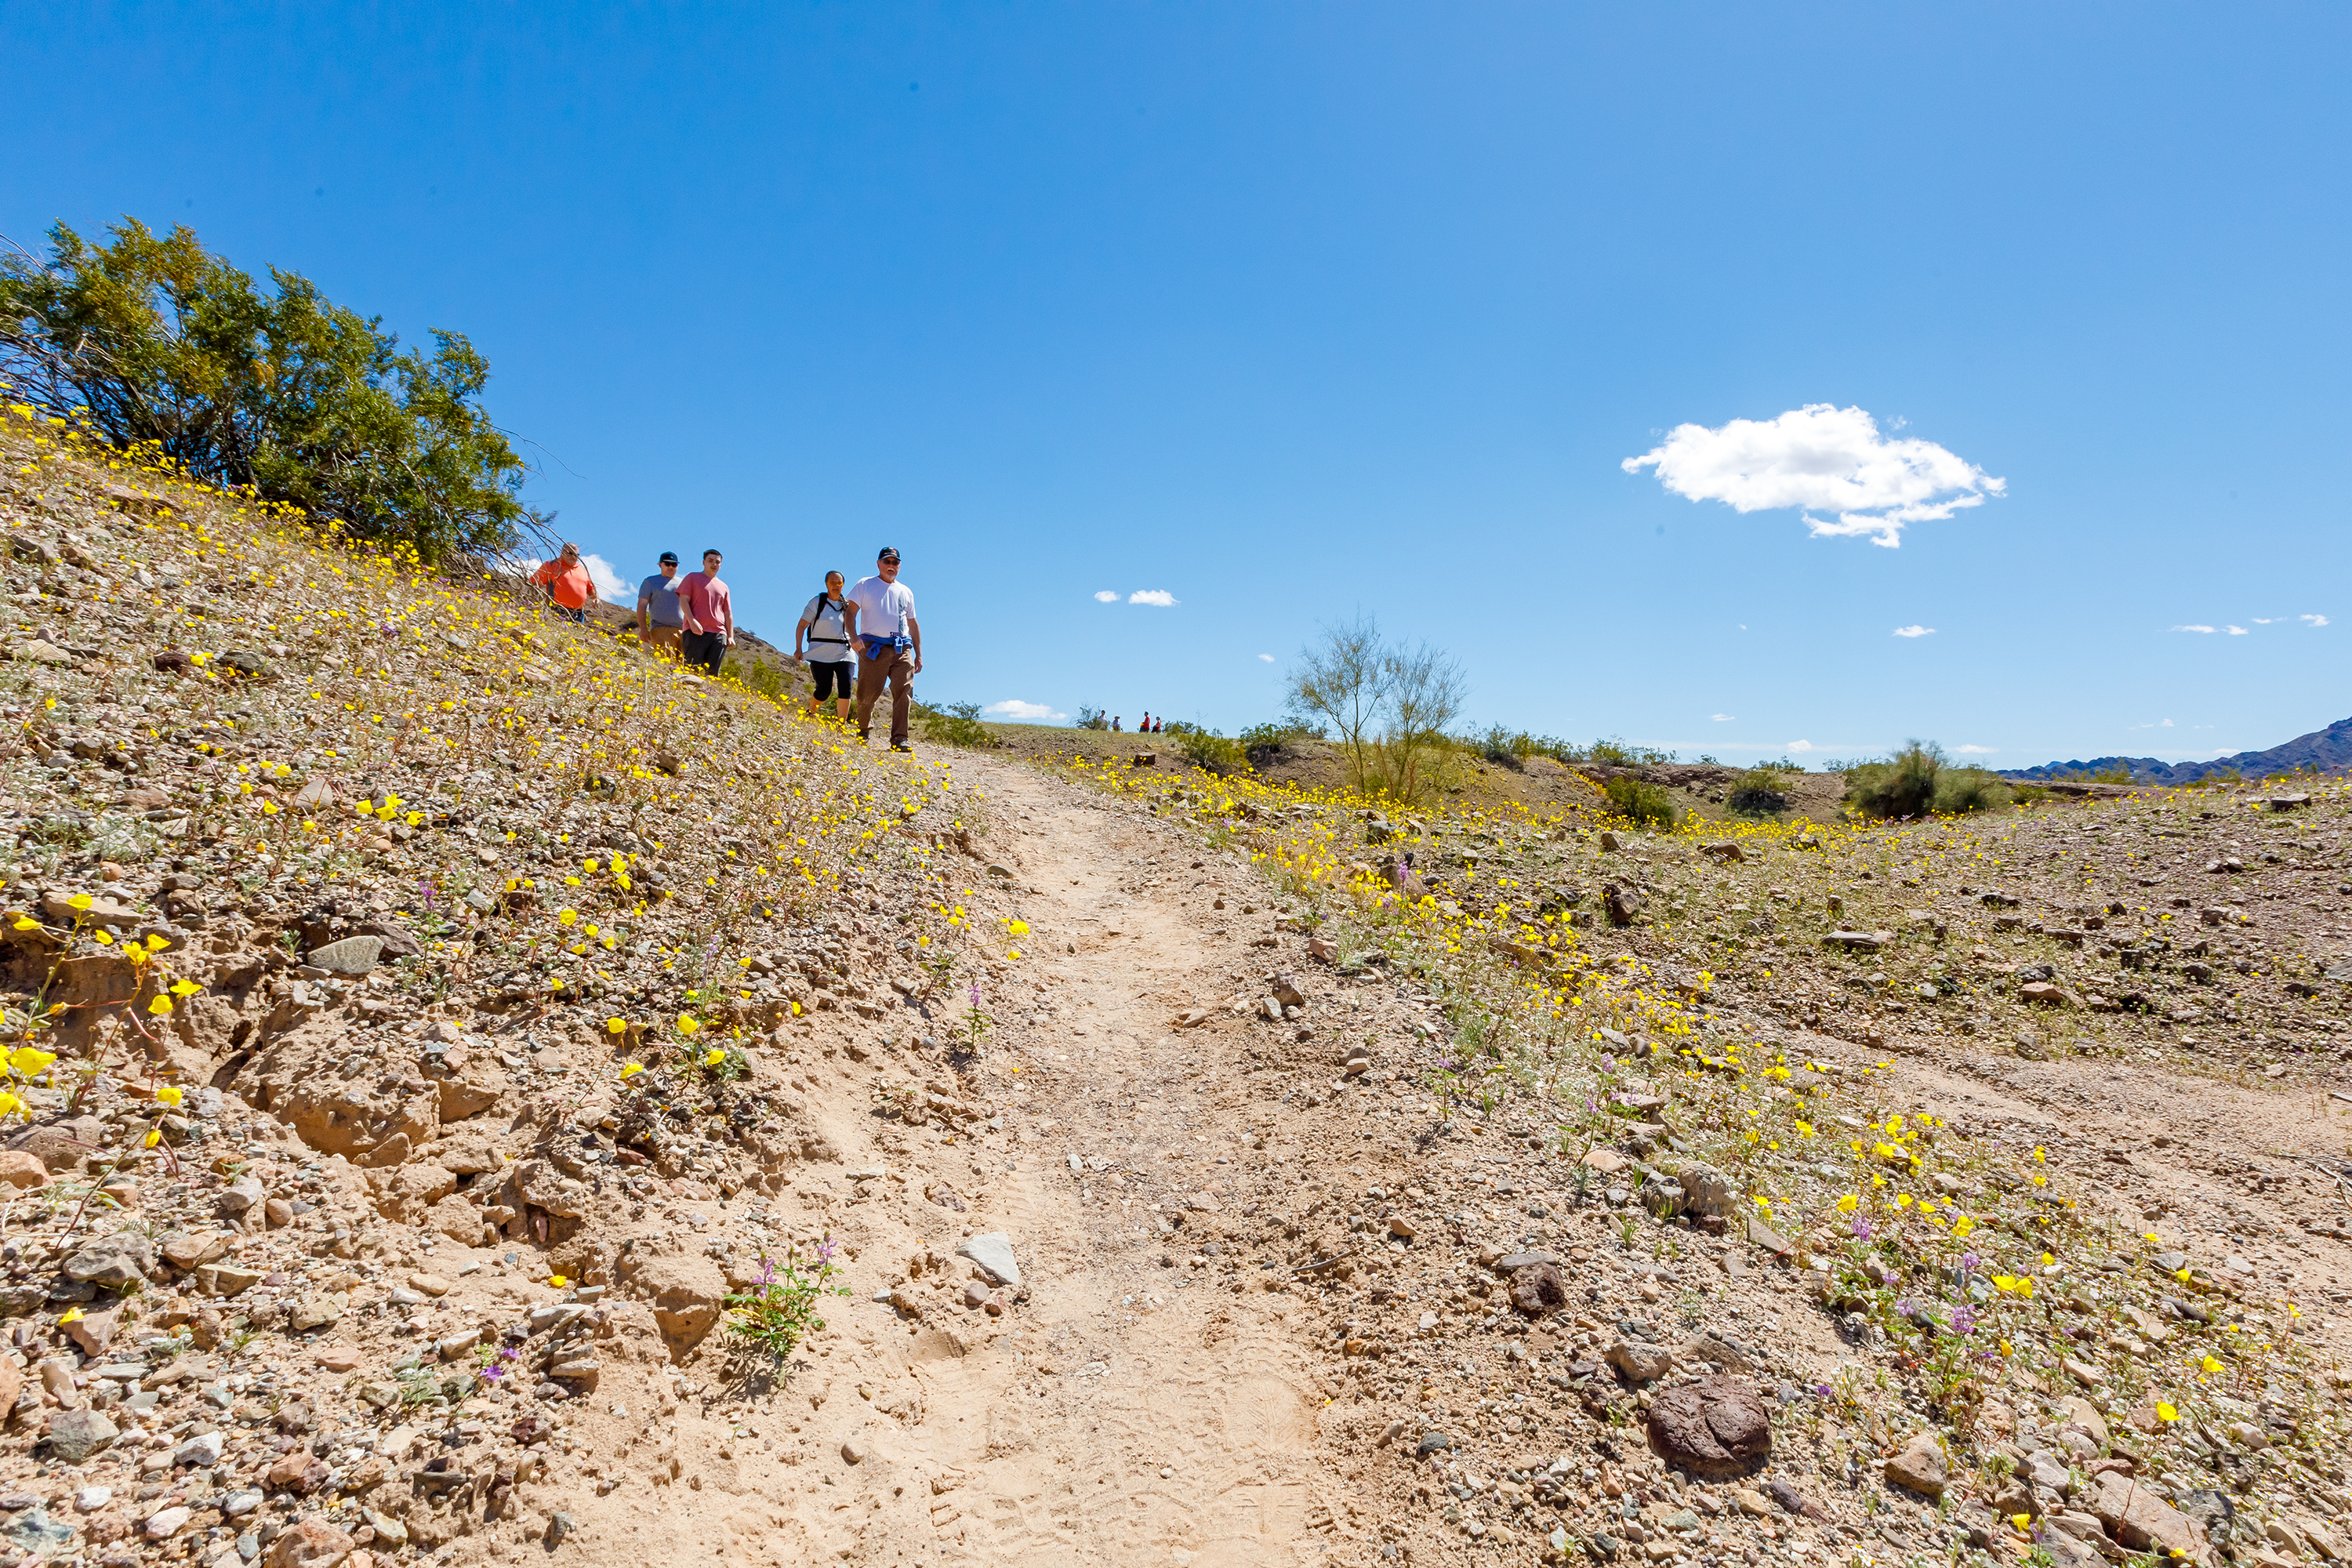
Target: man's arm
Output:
[
  {"x": 849, "y": 622},
  {"x": 915, "y": 631},
  {"x": 800, "y": 640},
  {"x": 645, "y": 610},
  {"x": 727, "y": 614}
]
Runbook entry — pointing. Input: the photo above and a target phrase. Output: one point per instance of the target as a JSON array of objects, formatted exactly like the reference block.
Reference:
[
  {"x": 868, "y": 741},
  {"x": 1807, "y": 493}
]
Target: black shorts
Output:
[
  {"x": 841, "y": 677},
  {"x": 705, "y": 650}
]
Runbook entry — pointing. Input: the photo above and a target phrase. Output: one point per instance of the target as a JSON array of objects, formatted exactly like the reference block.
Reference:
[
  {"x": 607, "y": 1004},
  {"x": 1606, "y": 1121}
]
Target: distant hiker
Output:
[
  {"x": 821, "y": 642},
  {"x": 659, "y": 621},
  {"x": 889, "y": 644},
  {"x": 1158, "y": 725},
  {"x": 1114, "y": 723},
  {"x": 567, "y": 584},
  {"x": 707, "y": 612},
  {"x": 1145, "y": 728}
]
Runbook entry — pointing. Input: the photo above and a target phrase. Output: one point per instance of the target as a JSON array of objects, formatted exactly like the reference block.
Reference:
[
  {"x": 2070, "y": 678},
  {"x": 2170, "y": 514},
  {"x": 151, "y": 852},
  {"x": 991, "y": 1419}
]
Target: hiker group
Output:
[{"x": 855, "y": 642}]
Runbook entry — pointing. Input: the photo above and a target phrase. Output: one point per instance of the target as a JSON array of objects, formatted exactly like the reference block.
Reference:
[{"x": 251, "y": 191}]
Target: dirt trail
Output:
[
  {"x": 1158, "y": 1411},
  {"x": 1138, "y": 1407}
]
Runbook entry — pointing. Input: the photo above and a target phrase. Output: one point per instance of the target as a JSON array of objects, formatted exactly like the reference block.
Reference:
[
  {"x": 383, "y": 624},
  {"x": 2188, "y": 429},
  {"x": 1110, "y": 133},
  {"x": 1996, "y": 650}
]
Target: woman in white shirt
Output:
[{"x": 821, "y": 642}]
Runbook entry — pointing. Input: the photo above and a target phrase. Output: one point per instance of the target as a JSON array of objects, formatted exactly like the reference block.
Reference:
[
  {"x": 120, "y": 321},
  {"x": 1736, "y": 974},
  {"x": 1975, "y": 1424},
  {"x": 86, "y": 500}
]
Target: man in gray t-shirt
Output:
[{"x": 659, "y": 620}]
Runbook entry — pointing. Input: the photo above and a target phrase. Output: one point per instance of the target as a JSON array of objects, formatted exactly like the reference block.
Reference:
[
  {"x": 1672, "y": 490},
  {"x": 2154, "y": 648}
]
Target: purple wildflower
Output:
[
  {"x": 1964, "y": 1321},
  {"x": 1905, "y": 1307},
  {"x": 1860, "y": 1228},
  {"x": 1970, "y": 1263}
]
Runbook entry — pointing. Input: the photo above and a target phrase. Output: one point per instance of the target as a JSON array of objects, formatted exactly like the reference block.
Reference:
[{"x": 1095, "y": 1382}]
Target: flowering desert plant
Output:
[{"x": 780, "y": 1309}]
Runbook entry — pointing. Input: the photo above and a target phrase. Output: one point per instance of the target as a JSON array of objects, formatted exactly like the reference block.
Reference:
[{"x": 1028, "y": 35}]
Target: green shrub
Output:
[
  {"x": 2117, "y": 775},
  {"x": 1207, "y": 750},
  {"x": 1904, "y": 785},
  {"x": 1262, "y": 743},
  {"x": 767, "y": 680},
  {"x": 156, "y": 344},
  {"x": 1091, "y": 718},
  {"x": 1639, "y": 802},
  {"x": 1759, "y": 791},
  {"x": 1919, "y": 779},
  {"x": 956, "y": 724},
  {"x": 1970, "y": 789}
]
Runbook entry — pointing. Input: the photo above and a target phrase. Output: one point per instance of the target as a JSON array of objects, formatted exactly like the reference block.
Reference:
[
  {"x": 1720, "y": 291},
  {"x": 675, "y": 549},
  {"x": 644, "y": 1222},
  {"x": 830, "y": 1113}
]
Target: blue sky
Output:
[{"x": 1289, "y": 311}]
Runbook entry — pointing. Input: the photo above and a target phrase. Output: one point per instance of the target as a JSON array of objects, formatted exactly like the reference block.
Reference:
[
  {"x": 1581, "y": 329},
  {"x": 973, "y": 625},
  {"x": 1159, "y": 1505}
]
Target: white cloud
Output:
[
  {"x": 1914, "y": 631},
  {"x": 1267, "y": 657},
  {"x": 1976, "y": 750},
  {"x": 610, "y": 585},
  {"x": 1107, "y": 596},
  {"x": 1023, "y": 712},
  {"x": 1799, "y": 746},
  {"x": 1820, "y": 458},
  {"x": 2238, "y": 631},
  {"x": 1722, "y": 717},
  {"x": 2268, "y": 620},
  {"x": 1160, "y": 596},
  {"x": 2206, "y": 629},
  {"x": 2316, "y": 621}
]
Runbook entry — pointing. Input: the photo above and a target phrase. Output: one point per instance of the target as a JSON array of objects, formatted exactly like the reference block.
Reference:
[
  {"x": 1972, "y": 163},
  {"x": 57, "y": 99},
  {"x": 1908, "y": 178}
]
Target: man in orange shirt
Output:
[{"x": 566, "y": 582}]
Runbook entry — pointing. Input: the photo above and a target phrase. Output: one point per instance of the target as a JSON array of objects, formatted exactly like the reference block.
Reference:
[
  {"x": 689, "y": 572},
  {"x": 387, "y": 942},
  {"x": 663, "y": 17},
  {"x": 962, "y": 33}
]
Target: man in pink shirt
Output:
[{"x": 709, "y": 612}]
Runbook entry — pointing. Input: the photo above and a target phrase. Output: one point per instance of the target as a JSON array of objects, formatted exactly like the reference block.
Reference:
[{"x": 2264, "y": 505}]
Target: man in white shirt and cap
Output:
[{"x": 889, "y": 647}]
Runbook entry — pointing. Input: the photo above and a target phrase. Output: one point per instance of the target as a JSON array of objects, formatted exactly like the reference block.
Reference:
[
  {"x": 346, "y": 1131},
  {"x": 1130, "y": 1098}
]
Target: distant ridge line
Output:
[{"x": 2327, "y": 751}]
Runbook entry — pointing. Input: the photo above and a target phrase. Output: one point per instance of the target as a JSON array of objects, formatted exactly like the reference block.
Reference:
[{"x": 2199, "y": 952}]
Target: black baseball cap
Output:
[
  {"x": 888, "y": 554},
  {"x": 668, "y": 558}
]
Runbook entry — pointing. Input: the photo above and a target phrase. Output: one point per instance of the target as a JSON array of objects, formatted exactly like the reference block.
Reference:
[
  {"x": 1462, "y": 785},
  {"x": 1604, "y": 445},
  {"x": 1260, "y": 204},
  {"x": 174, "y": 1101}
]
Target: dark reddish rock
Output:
[{"x": 1715, "y": 1426}]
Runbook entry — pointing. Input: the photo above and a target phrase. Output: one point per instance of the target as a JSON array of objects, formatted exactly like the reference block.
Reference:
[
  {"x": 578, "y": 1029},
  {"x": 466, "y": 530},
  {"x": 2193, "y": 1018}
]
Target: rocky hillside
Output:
[{"x": 389, "y": 973}]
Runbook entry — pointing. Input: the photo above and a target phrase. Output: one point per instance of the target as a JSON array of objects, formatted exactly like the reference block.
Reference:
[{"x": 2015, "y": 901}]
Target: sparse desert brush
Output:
[
  {"x": 1761, "y": 791},
  {"x": 956, "y": 724},
  {"x": 1263, "y": 743},
  {"x": 1971, "y": 789},
  {"x": 1638, "y": 802},
  {"x": 1207, "y": 750},
  {"x": 1920, "y": 779},
  {"x": 1902, "y": 785}
]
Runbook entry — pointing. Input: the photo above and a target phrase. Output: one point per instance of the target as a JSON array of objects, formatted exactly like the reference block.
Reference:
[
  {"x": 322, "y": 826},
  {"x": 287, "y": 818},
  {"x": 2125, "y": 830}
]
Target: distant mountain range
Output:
[{"x": 2327, "y": 751}]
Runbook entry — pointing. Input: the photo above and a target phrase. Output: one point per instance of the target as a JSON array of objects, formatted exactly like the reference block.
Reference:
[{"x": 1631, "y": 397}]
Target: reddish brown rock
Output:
[
  {"x": 309, "y": 1544},
  {"x": 300, "y": 1473},
  {"x": 1715, "y": 1426},
  {"x": 1537, "y": 1290},
  {"x": 21, "y": 1168}
]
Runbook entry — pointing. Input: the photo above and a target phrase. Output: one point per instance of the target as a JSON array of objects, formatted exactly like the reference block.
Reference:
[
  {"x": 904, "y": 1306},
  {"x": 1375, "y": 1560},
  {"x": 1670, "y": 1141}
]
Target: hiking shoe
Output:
[{"x": 902, "y": 746}]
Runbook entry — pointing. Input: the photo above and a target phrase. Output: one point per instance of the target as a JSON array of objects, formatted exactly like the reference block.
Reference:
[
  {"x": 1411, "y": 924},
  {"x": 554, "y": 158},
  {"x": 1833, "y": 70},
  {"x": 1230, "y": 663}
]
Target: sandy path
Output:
[{"x": 1137, "y": 1408}]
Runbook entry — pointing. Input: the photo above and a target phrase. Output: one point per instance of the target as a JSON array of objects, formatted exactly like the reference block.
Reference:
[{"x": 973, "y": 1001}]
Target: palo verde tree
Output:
[
  {"x": 1388, "y": 705},
  {"x": 154, "y": 341}
]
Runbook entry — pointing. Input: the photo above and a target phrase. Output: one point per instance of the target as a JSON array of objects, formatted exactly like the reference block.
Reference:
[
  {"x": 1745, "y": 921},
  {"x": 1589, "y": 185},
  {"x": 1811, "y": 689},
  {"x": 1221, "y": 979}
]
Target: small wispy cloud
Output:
[
  {"x": 2315, "y": 621},
  {"x": 2238, "y": 631},
  {"x": 2158, "y": 724},
  {"x": 2268, "y": 620},
  {"x": 1023, "y": 712},
  {"x": 2207, "y": 630},
  {"x": 1107, "y": 596},
  {"x": 1799, "y": 746},
  {"x": 1160, "y": 596},
  {"x": 1266, "y": 658},
  {"x": 1914, "y": 631},
  {"x": 1722, "y": 717},
  {"x": 1976, "y": 750}
]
